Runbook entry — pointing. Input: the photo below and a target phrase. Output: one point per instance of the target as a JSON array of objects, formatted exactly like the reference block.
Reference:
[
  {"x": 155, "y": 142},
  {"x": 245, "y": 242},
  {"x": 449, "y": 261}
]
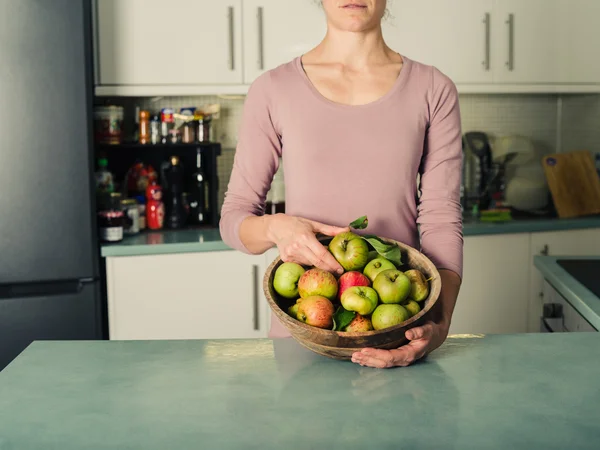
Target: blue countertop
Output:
[
  {"x": 529, "y": 391},
  {"x": 583, "y": 300},
  {"x": 191, "y": 241}
]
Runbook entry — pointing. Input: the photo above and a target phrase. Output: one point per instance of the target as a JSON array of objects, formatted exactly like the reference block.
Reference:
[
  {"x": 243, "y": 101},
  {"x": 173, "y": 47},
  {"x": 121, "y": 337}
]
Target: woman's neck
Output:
[{"x": 353, "y": 49}]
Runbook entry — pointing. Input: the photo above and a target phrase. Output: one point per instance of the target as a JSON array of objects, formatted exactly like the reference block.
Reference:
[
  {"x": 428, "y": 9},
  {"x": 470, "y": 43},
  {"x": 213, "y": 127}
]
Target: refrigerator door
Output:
[
  {"x": 67, "y": 311},
  {"x": 46, "y": 209}
]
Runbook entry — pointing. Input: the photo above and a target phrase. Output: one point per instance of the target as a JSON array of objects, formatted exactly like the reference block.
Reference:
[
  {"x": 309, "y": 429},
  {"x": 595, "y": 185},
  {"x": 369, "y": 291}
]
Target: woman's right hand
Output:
[{"x": 295, "y": 238}]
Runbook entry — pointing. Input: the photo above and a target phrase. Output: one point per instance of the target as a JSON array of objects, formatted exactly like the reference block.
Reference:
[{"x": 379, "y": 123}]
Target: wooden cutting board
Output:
[{"x": 574, "y": 183}]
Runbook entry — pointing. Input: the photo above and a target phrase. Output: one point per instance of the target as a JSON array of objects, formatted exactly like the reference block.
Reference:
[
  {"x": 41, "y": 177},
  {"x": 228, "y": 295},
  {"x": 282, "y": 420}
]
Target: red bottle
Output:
[{"x": 155, "y": 209}]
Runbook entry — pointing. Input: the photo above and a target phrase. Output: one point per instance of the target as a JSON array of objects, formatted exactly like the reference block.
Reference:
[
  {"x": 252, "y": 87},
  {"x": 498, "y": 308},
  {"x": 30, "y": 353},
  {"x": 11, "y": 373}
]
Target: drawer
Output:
[{"x": 572, "y": 320}]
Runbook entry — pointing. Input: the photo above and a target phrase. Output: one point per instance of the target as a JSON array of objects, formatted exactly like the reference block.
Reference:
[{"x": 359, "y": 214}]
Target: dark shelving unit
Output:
[{"x": 121, "y": 157}]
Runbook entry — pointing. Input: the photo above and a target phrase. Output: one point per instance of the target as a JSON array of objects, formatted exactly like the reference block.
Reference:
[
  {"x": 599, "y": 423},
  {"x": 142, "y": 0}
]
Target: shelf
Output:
[{"x": 215, "y": 146}]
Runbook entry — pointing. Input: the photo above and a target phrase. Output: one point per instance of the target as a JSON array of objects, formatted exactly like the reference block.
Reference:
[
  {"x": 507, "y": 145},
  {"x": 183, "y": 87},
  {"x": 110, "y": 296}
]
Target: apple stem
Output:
[{"x": 429, "y": 279}]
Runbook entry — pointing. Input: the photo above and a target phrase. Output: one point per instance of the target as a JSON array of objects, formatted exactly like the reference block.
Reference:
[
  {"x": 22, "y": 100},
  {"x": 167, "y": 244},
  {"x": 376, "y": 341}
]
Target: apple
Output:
[
  {"x": 412, "y": 307},
  {"x": 349, "y": 279},
  {"x": 377, "y": 265},
  {"x": 420, "y": 288},
  {"x": 386, "y": 316},
  {"x": 358, "y": 324},
  {"x": 293, "y": 310},
  {"x": 285, "y": 281},
  {"x": 392, "y": 286},
  {"x": 316, "y": 311},
  {"x": 361, "y": 299},
  {"x": 350, "y": 250},
  {"x": 317, "y": 281}
]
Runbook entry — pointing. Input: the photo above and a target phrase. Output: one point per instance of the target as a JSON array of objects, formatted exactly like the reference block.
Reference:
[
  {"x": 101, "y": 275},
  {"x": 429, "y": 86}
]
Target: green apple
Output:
[
  {"x": 377, "y": 265},
  {"x": 412, "y": 307},
  {"x": 420, "y": 288},
  {"x": 392, "y": 286},
  {"x": 386, "y": 316},
  {"x": 359, "y": 324},
  {"x": 285, "y": 281},
  {"x": 317, "y": 281},
  {"x": 361, "y": 299},
  {"x": 317, "y": 311},
  {"x": 293, "y": 310},
  {"x": 350, "y": 250}
]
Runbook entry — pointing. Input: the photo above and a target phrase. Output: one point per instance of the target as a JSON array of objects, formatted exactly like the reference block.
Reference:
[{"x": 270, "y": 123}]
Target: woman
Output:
[{"x": 355, "y": 123}]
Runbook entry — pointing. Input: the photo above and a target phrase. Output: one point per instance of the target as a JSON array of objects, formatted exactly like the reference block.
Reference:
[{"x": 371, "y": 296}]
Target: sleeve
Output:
[
  {"x": 255, "y": 162},
  {"x": 439, "y": 210}
]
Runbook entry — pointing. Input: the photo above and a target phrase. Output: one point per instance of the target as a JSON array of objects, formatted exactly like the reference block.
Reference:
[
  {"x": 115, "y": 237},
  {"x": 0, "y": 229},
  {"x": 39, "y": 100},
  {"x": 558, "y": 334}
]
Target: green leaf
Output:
[
  {"x": 342, "y": 318},
  {"x": 360, "y": 224},
  {"x": 388, "y": 251}
]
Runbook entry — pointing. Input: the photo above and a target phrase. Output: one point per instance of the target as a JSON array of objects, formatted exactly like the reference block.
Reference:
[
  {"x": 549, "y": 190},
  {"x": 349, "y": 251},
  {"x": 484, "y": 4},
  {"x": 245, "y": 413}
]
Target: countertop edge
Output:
[{"x": 571, "y": 289}]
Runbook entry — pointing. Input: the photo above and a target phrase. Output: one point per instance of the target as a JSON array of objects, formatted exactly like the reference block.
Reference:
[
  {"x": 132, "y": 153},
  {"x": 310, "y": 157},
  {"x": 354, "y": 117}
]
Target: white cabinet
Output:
[
  {"x": 525, "y": 41},
  {"x": 556, "y": 243},
  {"x": 454, "y": 36},
  {"x": 276, "y": 31},
  {"x": 158, "y": 42},
  {"x": 578, "y": 40},
  {"x": 211, "y": 295},
  {"x": 493, "y": 296}
]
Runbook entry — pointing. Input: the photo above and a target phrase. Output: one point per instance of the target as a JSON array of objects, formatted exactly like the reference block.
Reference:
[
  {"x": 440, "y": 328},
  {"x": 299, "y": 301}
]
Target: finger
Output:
[
  {"x": 423, "y": 332},
  {"x": 328, "y": 230},
  {"x": 323, "y": 258},
  {"x": 377, "y": 358}
]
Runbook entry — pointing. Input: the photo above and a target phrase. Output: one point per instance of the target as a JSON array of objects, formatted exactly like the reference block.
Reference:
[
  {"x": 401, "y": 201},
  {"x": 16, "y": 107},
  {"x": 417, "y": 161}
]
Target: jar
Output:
[
  {"x": 131, "y": 215},
  {"x": 155, "y": 130},
  {"x": 188, "y": 133},
  {"x": 110, "y": 220},
  {"x": 144, "y": 130},
  {"x": 108, "y": 124},
  {"x": 141, "y": 201}
]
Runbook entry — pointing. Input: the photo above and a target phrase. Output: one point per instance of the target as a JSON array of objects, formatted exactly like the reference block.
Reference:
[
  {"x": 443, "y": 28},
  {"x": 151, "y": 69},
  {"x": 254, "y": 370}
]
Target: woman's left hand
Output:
[{"x": 422, "y": 340}]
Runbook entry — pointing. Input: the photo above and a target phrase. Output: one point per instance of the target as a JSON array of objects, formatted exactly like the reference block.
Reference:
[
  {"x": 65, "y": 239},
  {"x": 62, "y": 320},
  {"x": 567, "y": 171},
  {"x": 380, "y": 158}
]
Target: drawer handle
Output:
[
  {"x": 261, "y": 50},
  {"x": 255, "y": 297},
  {"x": 231, "y": 39}
]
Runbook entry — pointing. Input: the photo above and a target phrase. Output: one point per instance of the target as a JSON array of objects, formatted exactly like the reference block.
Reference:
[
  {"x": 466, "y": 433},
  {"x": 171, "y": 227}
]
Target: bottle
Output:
[
  {"x": 155, "y": 209},
  {"x": 144, "y": 133},
  {"x": 173, "y": 182},
  {"x": 197, "y": 193}
]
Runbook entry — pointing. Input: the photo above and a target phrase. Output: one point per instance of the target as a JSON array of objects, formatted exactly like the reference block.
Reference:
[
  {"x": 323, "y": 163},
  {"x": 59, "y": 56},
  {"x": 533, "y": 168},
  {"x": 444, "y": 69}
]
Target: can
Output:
[{"x": 131, "y": 214}]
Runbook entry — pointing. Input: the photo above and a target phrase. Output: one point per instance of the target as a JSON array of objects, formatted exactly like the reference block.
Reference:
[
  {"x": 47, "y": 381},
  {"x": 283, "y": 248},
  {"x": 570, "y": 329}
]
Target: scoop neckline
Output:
[{"x": 397, "y": 86}]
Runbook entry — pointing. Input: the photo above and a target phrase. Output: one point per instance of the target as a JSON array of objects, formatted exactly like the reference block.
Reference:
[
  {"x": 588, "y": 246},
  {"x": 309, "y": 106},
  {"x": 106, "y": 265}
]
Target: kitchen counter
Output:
[
  {"x": 499, "y": 391},
  {"x": 191, "y": 241},
  {"x": 582, "y": 299}
]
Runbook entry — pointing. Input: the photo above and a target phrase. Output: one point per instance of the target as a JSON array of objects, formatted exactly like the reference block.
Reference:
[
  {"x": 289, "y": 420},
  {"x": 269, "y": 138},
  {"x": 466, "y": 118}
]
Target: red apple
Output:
[
  {"x": 350, "y": 279},
  {"x": 317, "y": 282},
  {"x": 317, "y": 311}
]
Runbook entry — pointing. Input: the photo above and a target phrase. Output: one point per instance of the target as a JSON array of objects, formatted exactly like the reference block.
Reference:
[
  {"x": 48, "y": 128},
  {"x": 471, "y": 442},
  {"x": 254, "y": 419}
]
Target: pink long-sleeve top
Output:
[{"x": 341, "y": 162}]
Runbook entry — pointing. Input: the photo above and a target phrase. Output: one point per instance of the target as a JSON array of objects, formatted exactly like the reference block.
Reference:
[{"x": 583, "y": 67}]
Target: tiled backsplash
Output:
[{"x": 555, "y": 123}]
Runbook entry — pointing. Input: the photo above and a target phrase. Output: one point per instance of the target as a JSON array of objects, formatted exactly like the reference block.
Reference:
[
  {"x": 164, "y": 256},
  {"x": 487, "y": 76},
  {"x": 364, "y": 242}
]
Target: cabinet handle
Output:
[
  {"x": 545, "y": 250},
  {"x": 255, "y": 297},
  {"x": 511, "y": 42},
  {"x": 261, "y": 50},
  {"x": 486, "y": 21},
  {"x": 231, "y": 39}
]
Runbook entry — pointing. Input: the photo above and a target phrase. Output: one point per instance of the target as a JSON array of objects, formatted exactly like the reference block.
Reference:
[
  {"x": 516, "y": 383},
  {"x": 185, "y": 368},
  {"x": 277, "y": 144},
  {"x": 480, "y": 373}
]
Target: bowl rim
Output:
[{"x": 430, "y": 301}]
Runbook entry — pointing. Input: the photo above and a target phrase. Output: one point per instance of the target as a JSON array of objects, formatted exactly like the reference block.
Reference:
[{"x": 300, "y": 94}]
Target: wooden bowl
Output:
[{"x": 341, "y": 345}]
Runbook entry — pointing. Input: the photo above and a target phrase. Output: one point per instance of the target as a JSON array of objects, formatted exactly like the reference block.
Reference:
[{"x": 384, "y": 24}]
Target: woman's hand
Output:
[
  {"x": 422, "y": 340},
  {"x": 295, "y": 238}
]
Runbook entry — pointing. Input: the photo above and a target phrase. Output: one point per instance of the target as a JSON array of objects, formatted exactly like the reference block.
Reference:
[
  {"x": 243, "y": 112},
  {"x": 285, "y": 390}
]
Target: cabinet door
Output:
[
  {"x": 158, "y": 42},
  {"x": 525, "y": 41},
  {"x": 556, "y": 243},
  {"x": 454, "y": 36},
  {"x": 275, "y": 32},
  {"x": 579, "y": 41},
  {"x": 212, "y": 295},
  {"x": 493, "y": 296}
]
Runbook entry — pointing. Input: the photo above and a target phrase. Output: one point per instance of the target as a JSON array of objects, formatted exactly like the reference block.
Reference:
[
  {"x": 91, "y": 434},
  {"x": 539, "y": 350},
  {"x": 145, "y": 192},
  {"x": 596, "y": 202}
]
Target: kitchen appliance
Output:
[
  {"x": 49, "y": 271},
  {"x": 476, "y": 170},
  {"x": 525, "y": 186},
  {"x": 172, "y": 180},
  {"x": 574, "y": 183}
]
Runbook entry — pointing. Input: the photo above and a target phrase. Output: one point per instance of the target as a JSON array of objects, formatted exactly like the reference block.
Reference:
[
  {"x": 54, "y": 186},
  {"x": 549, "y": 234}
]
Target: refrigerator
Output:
[{"x": 50, "y": 287}]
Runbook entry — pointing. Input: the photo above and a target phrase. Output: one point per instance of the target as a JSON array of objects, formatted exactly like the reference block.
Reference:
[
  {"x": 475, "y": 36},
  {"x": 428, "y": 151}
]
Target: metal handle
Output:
[
  {"x": 255, "y": 297},
  {"x": 545, "y": 250},
  {"x": 261, "y": 56},
  {"x": 231, "y": 39},
  {"x": 486, "y": 61},
  {"x": 511, "y": 42}
]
